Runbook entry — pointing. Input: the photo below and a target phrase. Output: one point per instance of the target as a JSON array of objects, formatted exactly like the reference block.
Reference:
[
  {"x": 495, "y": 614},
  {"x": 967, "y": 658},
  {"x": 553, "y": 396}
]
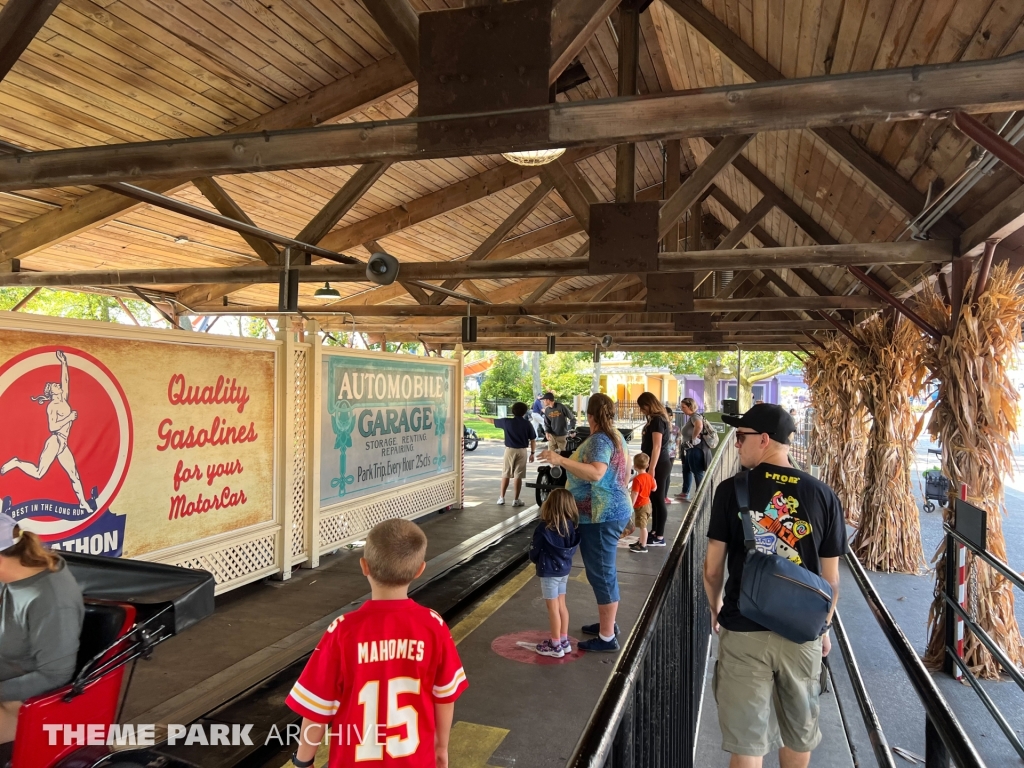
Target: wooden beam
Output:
[
  {"x": 401, "y": 24},
  {"x": 573, "y": 23},
  {"x": 908, "y": 252},
  {"x": 746, "y": 224},
  {"x": 629, "y": 57},
  {"x": 772, "y": 304},
  {"x": 222, "y": 201},
  {"x": 573, "y": 196},
  {"x": 673, "y": 167},
  {"x": 488, "y": 246},
  {"x": 339, "y": 99},
  {"x": 20, "y": 21},
  {"x": 357, "y": 185},
  {"x": 727, "y": 151},
  {"x": 440, "y": 202},
  {"x": 1001, "y": 221},
  {"x": 898, "y": 94},
  {"x": 883, "y": 178}
]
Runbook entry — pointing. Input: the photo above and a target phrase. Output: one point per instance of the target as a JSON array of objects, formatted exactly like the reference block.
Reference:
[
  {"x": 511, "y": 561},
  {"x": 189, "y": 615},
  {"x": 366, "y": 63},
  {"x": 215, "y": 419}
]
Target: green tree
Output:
[
  {"x": 507, "y": 379},
  {"x": 80, "y": 306},
  {"x": 566, "y": 375}
]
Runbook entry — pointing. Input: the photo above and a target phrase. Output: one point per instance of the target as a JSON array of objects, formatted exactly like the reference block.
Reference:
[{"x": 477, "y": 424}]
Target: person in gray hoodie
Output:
[
  {"x": 41, "y": 614},
  {"x": 554, "y": 543}
]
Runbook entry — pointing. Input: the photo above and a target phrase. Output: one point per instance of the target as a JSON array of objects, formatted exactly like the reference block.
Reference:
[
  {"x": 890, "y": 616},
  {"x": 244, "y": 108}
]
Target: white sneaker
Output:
[
  {"x": 518, "y": 503},
  {"x": 501, "y": 501}
]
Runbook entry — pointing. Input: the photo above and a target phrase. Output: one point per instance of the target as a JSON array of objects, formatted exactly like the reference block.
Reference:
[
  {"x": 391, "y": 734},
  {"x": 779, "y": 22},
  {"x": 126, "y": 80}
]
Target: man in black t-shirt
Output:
[{"x": 794, "y": 516}]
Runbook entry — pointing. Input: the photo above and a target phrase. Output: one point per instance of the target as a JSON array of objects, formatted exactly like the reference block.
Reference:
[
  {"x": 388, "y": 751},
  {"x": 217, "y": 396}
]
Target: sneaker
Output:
[
  {"x": 547, "y": 648},
  {"x": 652, "y": 542},
  {"x": 518, "y": 503},
  {"x": 566, "y": 646},
  {"x": 638, "y": 548},
  {"x": 596, "y": 644},
  {"x": 501, "y": 501},
  {"x": 595, "y": 629}
]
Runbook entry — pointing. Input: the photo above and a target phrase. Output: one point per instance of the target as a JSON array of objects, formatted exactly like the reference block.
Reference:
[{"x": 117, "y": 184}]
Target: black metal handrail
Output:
[
  {"x": 945, "y": 738},
  {"x": 954, "y": 540},
  {"x": 648, "y": 712},
  {"x": 879, "y": 744}
]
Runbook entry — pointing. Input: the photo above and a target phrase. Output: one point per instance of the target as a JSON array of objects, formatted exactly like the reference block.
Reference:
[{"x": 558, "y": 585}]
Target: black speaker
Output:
[
  {"x": 551, "y": 345},
  {"x": 382, "y": 269},
  {"x": 731, "y": 407},
  {"x": 468, "y": 329}
]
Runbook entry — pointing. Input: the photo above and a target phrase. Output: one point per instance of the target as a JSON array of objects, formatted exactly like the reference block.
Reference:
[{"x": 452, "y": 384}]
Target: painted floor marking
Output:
[
  {"x": 490, "y": 606},
  {"x": 472, "y": 745}
]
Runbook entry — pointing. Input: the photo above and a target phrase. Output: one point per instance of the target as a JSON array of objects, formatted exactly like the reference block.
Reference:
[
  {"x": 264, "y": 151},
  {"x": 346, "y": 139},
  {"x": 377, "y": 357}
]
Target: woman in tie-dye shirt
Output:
[{"x": 598, "y": 475}]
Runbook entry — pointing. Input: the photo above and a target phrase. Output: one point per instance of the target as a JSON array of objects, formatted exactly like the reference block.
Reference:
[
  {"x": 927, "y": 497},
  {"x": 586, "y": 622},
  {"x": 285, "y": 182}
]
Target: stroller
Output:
[{"x": 936, "y": 486}]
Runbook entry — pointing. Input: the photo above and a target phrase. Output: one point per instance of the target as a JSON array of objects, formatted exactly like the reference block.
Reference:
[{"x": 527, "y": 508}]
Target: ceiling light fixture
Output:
[
  {"x": 326, "y": 292},
  {"x": 533, "y": 157}
]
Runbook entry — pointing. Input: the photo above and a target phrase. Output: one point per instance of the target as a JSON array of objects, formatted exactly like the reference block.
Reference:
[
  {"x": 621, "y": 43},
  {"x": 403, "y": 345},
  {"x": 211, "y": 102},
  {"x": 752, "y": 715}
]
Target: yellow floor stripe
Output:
[
  {"x": 471, "y": 745},
  {"x": 489, "y": 607}
]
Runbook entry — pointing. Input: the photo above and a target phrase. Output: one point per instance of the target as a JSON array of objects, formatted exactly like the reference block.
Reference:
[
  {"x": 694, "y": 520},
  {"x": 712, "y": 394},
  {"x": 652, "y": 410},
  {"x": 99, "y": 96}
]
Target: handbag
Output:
[
  {"x": 775, "y": 592},
  {"x": 709, "y": 435}
]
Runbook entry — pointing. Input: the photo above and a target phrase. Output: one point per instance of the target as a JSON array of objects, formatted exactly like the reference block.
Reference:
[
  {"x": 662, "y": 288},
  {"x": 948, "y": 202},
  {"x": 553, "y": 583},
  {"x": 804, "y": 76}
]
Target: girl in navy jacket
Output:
[{"x": 554, "y": 544}]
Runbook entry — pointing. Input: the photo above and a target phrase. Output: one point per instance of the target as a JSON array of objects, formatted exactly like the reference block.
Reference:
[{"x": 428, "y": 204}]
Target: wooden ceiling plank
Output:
[
  {"x": 892, "y": 94},
  {"x": 884, "y": 178},
  {"x": 339, "y": 99}
]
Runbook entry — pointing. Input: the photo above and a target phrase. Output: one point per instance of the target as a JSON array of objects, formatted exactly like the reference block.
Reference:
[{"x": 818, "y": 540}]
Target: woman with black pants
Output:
[{"x": 655, "y": 442}]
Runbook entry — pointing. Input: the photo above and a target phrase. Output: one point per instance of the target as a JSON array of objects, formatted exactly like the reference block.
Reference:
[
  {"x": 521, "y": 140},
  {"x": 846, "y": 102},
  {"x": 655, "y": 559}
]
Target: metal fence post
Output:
[
  {"x": 948, "y": 616},
  {"x": 935, "y": 754}
]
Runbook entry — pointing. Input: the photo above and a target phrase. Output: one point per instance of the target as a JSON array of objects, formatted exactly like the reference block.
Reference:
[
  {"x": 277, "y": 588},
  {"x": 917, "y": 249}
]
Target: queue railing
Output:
[{"x": 649, "y": 711}]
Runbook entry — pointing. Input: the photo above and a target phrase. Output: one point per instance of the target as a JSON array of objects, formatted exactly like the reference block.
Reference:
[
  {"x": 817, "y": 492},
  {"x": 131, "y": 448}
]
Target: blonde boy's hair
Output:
[
  {"x": 394, "y": 551},
  {"x": 641, "y": 461}
]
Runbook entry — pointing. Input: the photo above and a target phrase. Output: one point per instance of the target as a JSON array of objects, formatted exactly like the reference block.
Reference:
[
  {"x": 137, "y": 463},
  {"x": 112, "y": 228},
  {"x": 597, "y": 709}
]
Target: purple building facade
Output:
[{"x": 769, "y": 390}]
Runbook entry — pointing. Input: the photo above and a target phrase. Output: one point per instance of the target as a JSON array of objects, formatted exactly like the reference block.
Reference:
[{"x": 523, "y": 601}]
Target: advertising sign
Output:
[
  {"x": 118, "y": 446},
  {"x": 383, "y": 423}
]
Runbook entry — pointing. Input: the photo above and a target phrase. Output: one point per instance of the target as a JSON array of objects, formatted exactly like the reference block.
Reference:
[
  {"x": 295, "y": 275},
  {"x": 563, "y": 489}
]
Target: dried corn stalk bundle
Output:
[
  {"x": 974, "y": 420},
  {"x": 839, "y": 443},
  {"x": 889, "y": 536}
]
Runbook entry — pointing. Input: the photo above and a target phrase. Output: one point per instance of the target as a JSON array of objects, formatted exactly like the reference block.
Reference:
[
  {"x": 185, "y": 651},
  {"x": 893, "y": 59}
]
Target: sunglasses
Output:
[{"x": 741, "y": 436}]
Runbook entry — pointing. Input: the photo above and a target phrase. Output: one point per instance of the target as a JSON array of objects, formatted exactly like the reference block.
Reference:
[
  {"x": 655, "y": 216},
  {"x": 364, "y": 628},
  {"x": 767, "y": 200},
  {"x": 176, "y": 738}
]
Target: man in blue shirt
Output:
[{"x": 520, "y": 443}]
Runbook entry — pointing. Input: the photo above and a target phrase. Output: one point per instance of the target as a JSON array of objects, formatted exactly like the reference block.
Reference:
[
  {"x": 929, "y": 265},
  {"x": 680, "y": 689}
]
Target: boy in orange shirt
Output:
[{"x": 640, "y": 493}]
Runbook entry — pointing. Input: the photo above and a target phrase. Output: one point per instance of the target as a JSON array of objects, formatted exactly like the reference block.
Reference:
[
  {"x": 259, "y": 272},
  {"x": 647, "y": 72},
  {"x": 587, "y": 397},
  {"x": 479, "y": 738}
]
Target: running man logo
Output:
[{"x": 66, "y": 448}]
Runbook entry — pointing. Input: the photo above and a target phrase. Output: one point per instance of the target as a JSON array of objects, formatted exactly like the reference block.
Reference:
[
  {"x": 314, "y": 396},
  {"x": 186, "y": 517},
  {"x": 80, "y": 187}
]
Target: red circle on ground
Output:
[{"x": 508, "y": 647}]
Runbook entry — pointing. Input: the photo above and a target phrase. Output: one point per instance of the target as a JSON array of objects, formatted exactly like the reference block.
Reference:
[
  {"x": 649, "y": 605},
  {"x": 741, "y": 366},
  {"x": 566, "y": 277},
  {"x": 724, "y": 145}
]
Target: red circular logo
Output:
[{"x": 67, "y": 440}]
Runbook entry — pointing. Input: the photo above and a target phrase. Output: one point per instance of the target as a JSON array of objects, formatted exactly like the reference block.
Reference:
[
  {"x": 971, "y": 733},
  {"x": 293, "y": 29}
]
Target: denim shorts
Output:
[
  {"x": 599, "y": 548},
  {"x": 553, "y": 586}
]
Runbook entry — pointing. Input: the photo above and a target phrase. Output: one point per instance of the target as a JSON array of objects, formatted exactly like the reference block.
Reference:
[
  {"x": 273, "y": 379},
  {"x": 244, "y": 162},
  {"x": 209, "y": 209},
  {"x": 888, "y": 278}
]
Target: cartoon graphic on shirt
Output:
[{"x": 777, "y": 530}]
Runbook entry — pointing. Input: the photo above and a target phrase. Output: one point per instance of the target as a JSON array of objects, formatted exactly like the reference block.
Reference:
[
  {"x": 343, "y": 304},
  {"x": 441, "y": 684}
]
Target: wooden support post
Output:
[
  {"x": 673, "y": 166},
  {"x": 28, "y": 297},
  {"x": 400, "y": 22},
  {"x": 629, "y": 53},
  {"x": 984, "y": 269}
]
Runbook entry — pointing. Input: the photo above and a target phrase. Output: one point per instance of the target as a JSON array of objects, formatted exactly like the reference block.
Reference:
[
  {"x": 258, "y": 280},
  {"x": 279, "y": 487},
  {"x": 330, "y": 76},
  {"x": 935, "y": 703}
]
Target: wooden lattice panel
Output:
[
  {"x": 355, "y": 522},
  {"x": 297, "y": 497},
  {"x": 236, "y": 564}
]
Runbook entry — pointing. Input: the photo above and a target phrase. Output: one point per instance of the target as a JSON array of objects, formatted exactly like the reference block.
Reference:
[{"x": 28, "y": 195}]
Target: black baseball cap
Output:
[
  {"x": 768, "y": 419},
  {"x": 548, "y": 396}
]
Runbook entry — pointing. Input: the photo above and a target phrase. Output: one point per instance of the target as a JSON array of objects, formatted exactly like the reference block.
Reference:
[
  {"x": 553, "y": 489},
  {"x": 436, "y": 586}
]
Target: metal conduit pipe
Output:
[{"x": 950, "y": 196}]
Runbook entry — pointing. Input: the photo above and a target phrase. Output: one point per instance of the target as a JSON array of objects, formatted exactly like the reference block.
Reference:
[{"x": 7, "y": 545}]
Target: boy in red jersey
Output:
[{"x": 384, "y": 678}]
